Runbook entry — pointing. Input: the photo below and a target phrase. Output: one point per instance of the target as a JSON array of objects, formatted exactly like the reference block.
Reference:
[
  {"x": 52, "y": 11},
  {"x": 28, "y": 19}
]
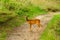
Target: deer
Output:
[{"x": 33, "y": 21}]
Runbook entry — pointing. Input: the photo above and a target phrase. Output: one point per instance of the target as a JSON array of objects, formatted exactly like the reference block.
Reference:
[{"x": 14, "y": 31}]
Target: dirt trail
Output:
[{"x": 23, "y": 33}]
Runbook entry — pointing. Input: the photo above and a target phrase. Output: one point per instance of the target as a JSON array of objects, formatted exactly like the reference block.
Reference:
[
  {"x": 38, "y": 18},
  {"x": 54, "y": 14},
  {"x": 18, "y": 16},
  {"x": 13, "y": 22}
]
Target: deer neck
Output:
[{"x": 27, "y": 18}]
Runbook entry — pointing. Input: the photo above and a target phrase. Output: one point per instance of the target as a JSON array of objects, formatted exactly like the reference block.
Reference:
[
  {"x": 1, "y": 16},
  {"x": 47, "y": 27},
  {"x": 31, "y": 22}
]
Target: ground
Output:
[{"x": 23, "y": 32}]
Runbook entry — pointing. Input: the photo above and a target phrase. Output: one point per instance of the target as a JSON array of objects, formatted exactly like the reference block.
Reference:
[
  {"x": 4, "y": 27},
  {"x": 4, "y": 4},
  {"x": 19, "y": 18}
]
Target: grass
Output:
[
  {"x": 52, "y": 30},
  {"x": 3, "y": 35}
]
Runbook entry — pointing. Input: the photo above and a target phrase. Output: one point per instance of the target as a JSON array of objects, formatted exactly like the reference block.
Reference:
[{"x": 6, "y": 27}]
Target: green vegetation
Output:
[
  {"x": 52, "y": 31},
  {"x": 12, "y": 14}
]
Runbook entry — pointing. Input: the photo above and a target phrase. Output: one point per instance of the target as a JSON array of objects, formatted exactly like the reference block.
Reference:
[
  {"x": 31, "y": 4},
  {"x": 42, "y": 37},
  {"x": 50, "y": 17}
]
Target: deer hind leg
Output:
[{"x": 38, "y": 23}]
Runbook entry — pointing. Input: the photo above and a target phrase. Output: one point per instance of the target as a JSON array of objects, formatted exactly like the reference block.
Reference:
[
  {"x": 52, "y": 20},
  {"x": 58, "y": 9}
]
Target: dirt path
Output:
[{"x": 23, "y": 33}]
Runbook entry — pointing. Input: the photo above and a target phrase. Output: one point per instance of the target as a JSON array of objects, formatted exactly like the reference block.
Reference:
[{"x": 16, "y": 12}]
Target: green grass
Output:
[
  {"x": 52, "y": 30},
  {"x": 35, "y": 11},
  {"x": 3, "y": 35}
]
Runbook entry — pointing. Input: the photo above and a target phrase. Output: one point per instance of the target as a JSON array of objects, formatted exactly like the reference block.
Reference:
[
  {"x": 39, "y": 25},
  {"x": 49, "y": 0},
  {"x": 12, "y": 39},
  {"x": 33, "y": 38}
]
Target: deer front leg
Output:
[{"x": 30, "y": 27}]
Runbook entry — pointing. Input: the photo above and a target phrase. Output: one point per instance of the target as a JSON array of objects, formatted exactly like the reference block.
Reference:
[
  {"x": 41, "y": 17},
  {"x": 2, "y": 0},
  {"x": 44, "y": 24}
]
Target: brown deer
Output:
[{"x": 33, "y": 21}]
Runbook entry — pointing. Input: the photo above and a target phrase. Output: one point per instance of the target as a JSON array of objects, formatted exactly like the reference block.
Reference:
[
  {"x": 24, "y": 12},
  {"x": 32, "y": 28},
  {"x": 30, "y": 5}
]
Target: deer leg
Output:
[
  {"x": 39, "y": 25},
  {"x": 30, "y": 27}
]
